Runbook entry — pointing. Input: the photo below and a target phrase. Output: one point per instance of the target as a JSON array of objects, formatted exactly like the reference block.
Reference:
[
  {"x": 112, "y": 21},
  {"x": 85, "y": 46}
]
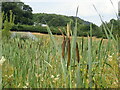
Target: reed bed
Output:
[
  {"x": 68, "y": 62},
  {"x": 46, "y": 64}
]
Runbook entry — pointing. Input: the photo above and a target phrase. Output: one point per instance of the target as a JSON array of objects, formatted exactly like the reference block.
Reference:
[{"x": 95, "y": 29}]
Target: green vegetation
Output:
[
  {"x": 113, "y": 25},
  {"x": 22, "y": 12},
  {"x": 34, "y": 64},
  {"x": 87, "y": 62},
  {"x": 61, "y": 20},
  {"x": 7, "y": 24},
  {"x": 56, "y": 20},
  {"x": 38, "y": 28}
]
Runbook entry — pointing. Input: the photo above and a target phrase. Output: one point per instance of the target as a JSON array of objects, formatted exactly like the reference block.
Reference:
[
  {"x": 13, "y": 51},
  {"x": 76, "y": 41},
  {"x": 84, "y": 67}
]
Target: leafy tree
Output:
[
  {"x": 113, "y": 25},
  {"x": 56, "y": 20},
  {"x": 22, "y": 12}
]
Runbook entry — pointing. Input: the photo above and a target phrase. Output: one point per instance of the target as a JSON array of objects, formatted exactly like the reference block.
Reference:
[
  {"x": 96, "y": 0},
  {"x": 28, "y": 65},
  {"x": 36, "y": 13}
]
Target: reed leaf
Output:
[{"x": 90, "y": 62}]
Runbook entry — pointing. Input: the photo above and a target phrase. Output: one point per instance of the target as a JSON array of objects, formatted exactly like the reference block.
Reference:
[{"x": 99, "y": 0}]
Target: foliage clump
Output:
[{"x": 7, "y": 24}]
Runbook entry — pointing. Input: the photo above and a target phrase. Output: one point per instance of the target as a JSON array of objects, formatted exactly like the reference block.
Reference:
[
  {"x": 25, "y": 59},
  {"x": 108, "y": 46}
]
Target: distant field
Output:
[{"x": 58, "y": 36}]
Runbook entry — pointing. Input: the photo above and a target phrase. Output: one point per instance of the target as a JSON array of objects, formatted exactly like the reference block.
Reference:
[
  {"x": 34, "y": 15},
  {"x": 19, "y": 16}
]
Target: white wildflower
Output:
[
  {"x": 110, "y": 56},
  {"x": 114, "y": 83},
  {"x": 52, "y": 76},
  {"x": 71, "y": 70},
  {"x": 113, "y": 54},
  {"x": 19, "y": 85},
  {"x": 10, "y": 76},
  {"x": 75, "y": 85},
  {"x": 2, "y": 60},
  {"x": 25, "y": 87},
  {"x": 6, "y": 75},
  {"x": 56, "y": 79},
  {"x": 58, "y": 75},
  {"x": 37, "y": 75},
  {"x": 27, "y": 84},
  {"x": 42, "y": 80},
  {"x": 66, "y": 65}
]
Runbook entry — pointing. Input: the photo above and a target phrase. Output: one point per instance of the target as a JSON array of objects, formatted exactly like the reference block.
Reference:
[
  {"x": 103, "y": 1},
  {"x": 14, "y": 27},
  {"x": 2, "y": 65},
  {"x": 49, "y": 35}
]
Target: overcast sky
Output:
[{"x": 68, "y": 7}]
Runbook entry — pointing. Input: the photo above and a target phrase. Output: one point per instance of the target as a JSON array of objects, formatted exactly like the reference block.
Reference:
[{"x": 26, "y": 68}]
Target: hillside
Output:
[{"x": 56, "y": 20}]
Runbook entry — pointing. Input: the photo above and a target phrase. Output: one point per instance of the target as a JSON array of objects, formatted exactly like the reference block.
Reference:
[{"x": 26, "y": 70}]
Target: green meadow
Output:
[
  {"x": 54, "y": 61},
  {"x": 39, "y": 63}
]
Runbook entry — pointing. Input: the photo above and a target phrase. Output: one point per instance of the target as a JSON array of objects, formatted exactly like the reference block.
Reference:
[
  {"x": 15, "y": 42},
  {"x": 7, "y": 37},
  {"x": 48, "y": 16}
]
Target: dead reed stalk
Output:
[
  {"x": 66, "y": 44},
  {"x": 63, "y": 48},
  {"x": 69, "y": 54},
  {"x": 77, "y": 52}
]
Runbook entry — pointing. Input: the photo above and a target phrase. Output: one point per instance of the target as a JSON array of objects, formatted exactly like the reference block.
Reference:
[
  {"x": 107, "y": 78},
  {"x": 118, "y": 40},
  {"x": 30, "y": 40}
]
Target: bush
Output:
[
  {"x": 40, "y": 29},
  {"x": 29, "y": 28},
  {"x": 7, "y": 24},
  {"x": 6, "y": 34},
  {"x": 83, "y": 30}
]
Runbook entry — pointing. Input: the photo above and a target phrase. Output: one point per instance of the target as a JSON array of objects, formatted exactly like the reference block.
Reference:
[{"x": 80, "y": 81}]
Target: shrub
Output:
[
  {"x": 40, "y": 29},
  {"x": 7, "y": 24},
  {"x": 29, "y": 28}
]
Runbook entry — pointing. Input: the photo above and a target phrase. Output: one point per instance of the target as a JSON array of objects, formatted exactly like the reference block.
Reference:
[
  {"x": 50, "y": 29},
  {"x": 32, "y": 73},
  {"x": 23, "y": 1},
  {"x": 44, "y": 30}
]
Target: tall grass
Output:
[
  {"x": 50, "y": 63},
  {"x": 37, "y": 64},
  {"x": 0, "y": 49}
]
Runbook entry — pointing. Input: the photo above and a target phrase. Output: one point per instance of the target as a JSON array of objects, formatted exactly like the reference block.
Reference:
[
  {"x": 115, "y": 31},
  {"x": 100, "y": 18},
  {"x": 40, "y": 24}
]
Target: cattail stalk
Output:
[
  {"x": 68, "y": 45},
  {"x": 69, "y": 54},
  {"x": 63, "y": 47},
  {"x": 77, "y": 53},
  {"x": 63, "y": 44}
]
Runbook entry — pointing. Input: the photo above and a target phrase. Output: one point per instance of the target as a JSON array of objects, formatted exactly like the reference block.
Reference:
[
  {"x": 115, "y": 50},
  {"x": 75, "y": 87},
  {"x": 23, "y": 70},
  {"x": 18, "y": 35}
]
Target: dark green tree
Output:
[
  {"x": 22, "y": 12},
  {"x": 113, "y": 26}
]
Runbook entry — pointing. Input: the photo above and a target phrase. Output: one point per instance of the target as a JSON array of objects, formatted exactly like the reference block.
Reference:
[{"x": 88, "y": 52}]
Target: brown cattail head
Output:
[
  {"x": 63, "y": 43},
  {"x": 30, "y": 45},
  {"x": 77, "y": 53},
  {"x": 63, "y": 47},
  {"x": 69, "y": 54},
  {"x": 87, "y": 68}
]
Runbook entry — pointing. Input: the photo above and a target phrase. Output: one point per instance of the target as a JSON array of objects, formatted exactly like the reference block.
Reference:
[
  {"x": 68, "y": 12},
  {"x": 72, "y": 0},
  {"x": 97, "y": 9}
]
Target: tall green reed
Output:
[{"x": 0, "y": 47}]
